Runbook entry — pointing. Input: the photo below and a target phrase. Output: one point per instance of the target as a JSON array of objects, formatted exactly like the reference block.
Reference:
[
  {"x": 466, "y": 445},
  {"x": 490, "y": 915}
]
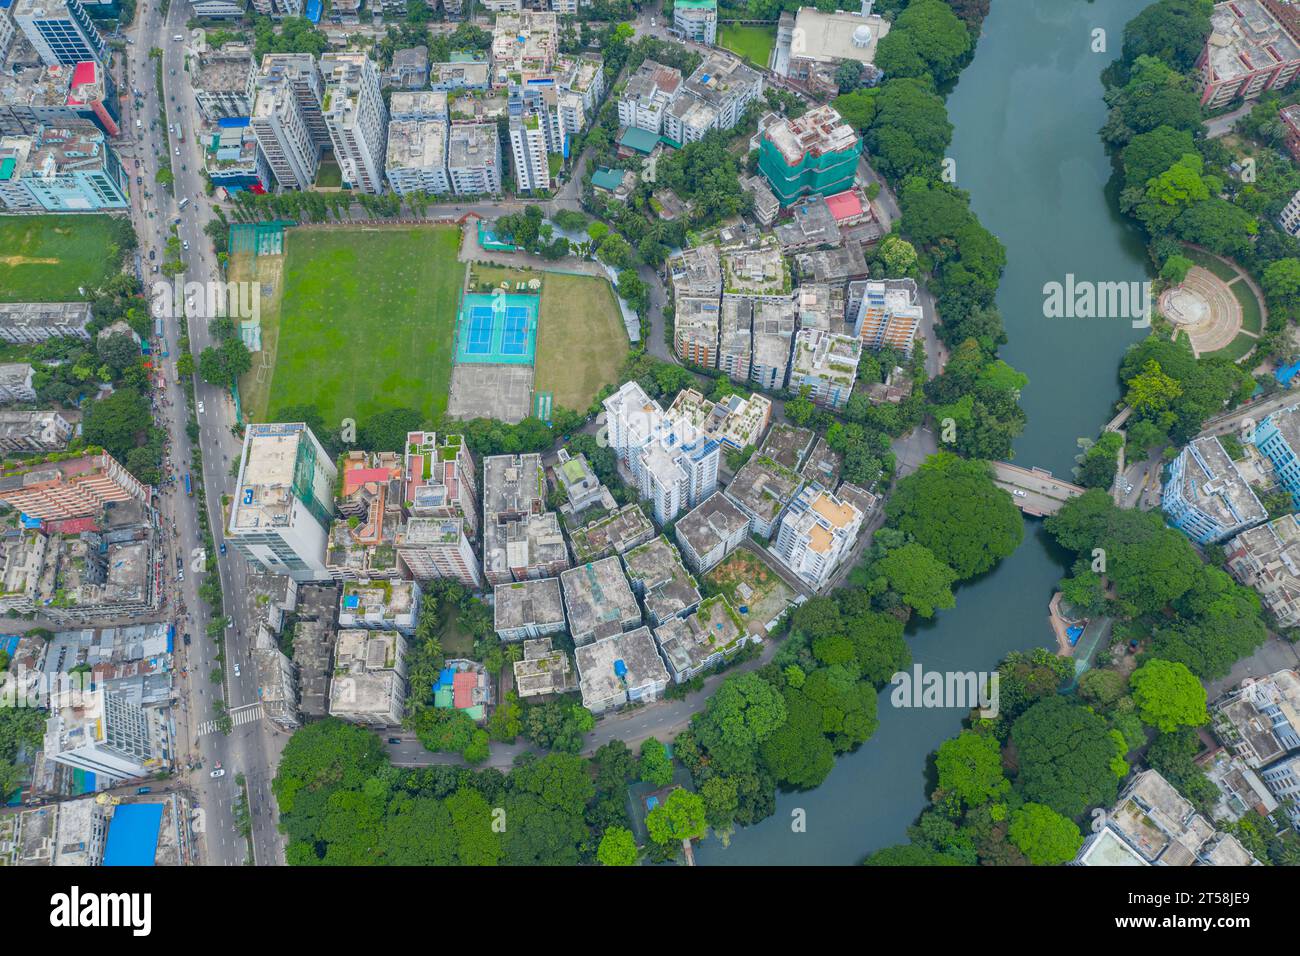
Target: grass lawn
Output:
[
  {"x": 45, "y": 258},
  {"x": 1238, "y": 347},
  {"x": 456, "y": 641},
  {"x": 366, "y": 322},
  {"x": 767, "y": 595},
  {"x": 255, "y": 387},
  {"x": 1213, "y": 263},
  {"x": 1251, "y": 318},
  {"x": 753, "y": 42},
  {"x": 329, "y": 175},
  {"x": 581, "y": 340}
]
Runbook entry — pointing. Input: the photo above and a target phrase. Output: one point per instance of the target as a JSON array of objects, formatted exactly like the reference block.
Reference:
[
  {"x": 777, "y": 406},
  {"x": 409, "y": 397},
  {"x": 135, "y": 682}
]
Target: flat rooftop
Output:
[
  {"x": 613, "y": 533},
  {"x": 713, "y": 628},
  {"x": 524, "y": 603},
  {"x": 416, "y": 144},
  {"x": 763, "y": 486},
  {"x": 1245, "y": 38},
  {"x": 840, "y": 35},
  {"x": 223, "y": 71},
  {"x": 787, "y": 444},
  {"x": 473, "y": 145},
  {"x": 632, "y": 653},
  {"x": 760, "y": 271},
  {"x": 712, "y": 521},
  {"x": 598, "y": 598},
  {"x": 265, "y": 496},
  {"x": 656, "y": 568},
  {"x": 1212, "y": 481}
]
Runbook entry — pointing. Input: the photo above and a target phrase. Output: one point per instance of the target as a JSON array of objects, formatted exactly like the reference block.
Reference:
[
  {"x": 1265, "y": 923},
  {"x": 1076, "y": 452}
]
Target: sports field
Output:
[
  {"x": 45, "y": 258},
  {"x": 366, "y": 323},
  {"x": 581, "y": 340},
  {"x": 753, "y": 42}
]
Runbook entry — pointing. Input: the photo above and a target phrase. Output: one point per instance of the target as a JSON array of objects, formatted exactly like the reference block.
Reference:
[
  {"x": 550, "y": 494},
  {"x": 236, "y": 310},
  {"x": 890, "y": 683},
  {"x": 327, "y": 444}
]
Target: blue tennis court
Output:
[{"x": 499, "y": 329}]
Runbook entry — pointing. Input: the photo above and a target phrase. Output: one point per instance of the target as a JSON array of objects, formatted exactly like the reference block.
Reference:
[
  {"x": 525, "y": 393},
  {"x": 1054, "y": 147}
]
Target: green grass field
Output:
[
  {"x": 366, "y": 322},
  {"x": 1252, "y": 320},
  {"x": 45, "y": 258},
  {"x": 581, "y": 340},
  {"x": 1212, "y": 263},
  {"x": 753, "y": 42}
]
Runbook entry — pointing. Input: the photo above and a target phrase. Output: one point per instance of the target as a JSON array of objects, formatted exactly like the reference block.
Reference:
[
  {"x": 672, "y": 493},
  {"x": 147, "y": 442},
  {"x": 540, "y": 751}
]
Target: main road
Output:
[{"x": 251, "y": 749}]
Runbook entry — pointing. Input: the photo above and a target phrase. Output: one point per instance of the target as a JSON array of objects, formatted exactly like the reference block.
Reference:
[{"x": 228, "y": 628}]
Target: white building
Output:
[
  {"x": 102, "y": 732},
  {"x": 284, "y": 501},
  {"x": 528, "y": 149},
  {"x": 61, "y": 31},
  {"x": 620, "y": 669},
  {"x": 647, "y": 95},
  {"x": 288, "y": 119},
  {"x": 356, "y": 118},
  {"x": 816, "y": 533},
  {"x": 826, "y": 363},
  {"x": 369, "y": 682},
  {"x": 697, "y": 20},
  {"x": 417, "y": 157},
  {"x": 711, "y": 531},
  {"x": 1289, "y": 217},
  {"x": 474, "y": 159}
]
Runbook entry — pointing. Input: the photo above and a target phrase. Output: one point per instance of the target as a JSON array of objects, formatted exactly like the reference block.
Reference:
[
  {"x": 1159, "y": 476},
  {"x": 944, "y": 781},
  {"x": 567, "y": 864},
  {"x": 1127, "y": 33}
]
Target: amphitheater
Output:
[{"x": 1204, "y": 307}]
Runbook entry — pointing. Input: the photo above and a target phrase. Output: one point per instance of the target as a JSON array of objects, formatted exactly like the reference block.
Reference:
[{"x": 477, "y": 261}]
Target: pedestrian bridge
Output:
[{"x": 1034, "y": 490}]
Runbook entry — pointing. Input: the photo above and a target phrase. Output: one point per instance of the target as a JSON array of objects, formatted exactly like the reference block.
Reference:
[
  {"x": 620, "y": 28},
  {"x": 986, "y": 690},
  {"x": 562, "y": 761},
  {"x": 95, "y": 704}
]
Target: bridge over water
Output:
[{"x": 1034, "y": 490}]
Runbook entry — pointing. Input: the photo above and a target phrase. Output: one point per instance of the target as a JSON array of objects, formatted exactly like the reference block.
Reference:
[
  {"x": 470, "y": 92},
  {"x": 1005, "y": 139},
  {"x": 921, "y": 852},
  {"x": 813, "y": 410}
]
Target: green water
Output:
[{"x": 1026, "y": 113}]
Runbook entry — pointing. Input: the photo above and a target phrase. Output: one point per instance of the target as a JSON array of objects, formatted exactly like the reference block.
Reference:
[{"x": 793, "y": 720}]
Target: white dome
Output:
[{"x": 862, "y": 36}]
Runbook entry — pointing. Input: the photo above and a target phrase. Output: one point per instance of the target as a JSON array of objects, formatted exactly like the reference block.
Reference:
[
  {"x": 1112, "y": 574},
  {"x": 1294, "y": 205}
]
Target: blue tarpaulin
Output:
[
  {"x": 133, "y": 835},
  {"x": 232, "y": 122},
  {"x": 313, "y": 10},
  {"x": 446, "y": 678},
  {"x": 1286, "y": 373},
  {"x": 9, "y": 643},
  {"x": 351, "y": 601},
  {"x": 30, "y": 522}
]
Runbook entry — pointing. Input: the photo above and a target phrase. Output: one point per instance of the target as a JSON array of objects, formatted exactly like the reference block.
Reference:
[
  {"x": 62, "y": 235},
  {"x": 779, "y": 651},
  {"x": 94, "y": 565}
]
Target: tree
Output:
[
  {"x": 656, "y": 766},
  {"x": 117, "y": 422},
  {"x": 1173, "y": 30},
  {"x": 1066, "y": 757},
  {"x": 952, "y": 506},
  {"x": 680, "y": 817},
  {"x": 1168, "y": 696},
  {"x": 970, "y": 768},
  {"x": 1044, "y": 836},
  {"x": 909, "y": 129},
  {"x": 617, "y": 847},
  {"x": 926, "y": 39},
  {"x": 922, "y": 581},
  {"x": 909, "y": 854}
]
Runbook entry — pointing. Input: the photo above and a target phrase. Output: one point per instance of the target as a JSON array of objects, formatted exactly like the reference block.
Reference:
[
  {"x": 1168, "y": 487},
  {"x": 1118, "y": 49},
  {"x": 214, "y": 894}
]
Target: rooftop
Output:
[
  {"x": 473, "y": 145},
  {"x": 711, "y": 522},
  {"x": 525, "y": 603},
  {"x": 787, "y": 444},
  {"x": 713, "y": 628},
  {"x": 811, "y": 223},
  {"x": 368, "y": 673},
  {"x": 613, "y": 533},
  {"x": 760, "y": 271},
  {"x": 1246, "y": 37},
  {"x": 1260, "y": 720},
  {"x": 416, "y": 144},
  {"x": 763, "y": 486},
  {"x": 815, "y": 133},
  {"x": 598, "y": 598},
  {"x": 544, "y": 669},
  {"x": 696, "y": 271},
  {"x": 610, "y": 666},
  {"x": 836, "y": 265},
  {"x": 657, "y": 570},
  {"x": 1212, "y": 482},
  {"x": 839, "y": 35},
  {"x": 828, "y": 356}
]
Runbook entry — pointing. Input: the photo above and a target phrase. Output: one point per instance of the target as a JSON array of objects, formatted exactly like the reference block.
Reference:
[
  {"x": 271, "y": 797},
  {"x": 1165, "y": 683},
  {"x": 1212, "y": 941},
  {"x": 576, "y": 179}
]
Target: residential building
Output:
[
  {"x": 527, "y": 609},
  {"x": 1267, "y": 558},
  {"x": 696, "y": 272},
  {"x": 521, "y": 539},
  {"x": 53, "y": 96},
  {"x": 233, "y": 160},
  {"x": 7, "y": 33},
  {"x": 763, "y": 489},
  {"x": 695, "y": 330},
  {"x": 1289, "y": 217},
  {"x": 735, "y": 421},
  {"x": 826, "y": 364},
  {"x": 101, "y": 732},
  {"x": 1283, "y": 781},
  {"x": 612, "y": 533},
  {"x": 711, "y": 531},
  {"x": 222, "y": 80},
  {"x": 1205, "y": 495},
  {"x": 646, "y": 96},
  {"x": 736, "y": 337},
  {"x": 582, "y": 86},
  {"x": 380, "y": 605},
  {"x": 660, "y": 579},
  {"x": 277, "y": 681},
  {"x": 474, "y": 159},
  {"x": 670, "y": 462},
  {"x": 73, "y": 488},
  {"x": 837, "y": 267},
  {"x": 14, "y": 194},
  {"x": 826, "y": 40},
  {"x": 598, "y": 601},
  {"x": 713, "y": 97},
  {"x": 410, "y": 69},
  {"x": 528, "y": 149},
  {"x": 820, "y": 306},
  {"x": 457, "y": 75},
  {"x": 544, "y": 670},
  {"x": 697, "y": 20},
  {"x": 524, "y": 46},
  {"x": 816, "y": 153},
  {"x": 810, "y": 224},
  {"x": 1253, "y": 46},
  {"x": 39, "y": 431},
  {"x": 773, "y": 337},
  {"x": 787, "y": 444},
  {"x": 60, "y": 31},
  {"x": 1278, "y": 437},
  {"x": 766, "y": 206},
  {"x": 1241, "y": 791},
  {"x": 888, "y": 314},
  {"x": 71, "y": 168},
  {"x": 288, "y": 117},
  {"x": 417, "y": 157},
  {"x": 439, "y": 478},
  {"x": 757, "y": 272},
  {"x": 429, "y": 548},
  {"x": 693, "y": 643},
  {"x": 16, "y": 383},
  {"x": 1259, "y": 721},
  {"x": 418, "y": 105},
  {"x": 582, "y": 489},
  {"x": 823, "y": 465},
  {"x": 368, "y": 517},
  {"x": 356, "y": 118},
  {"x": 284, "y": 501},
  {"x": 816, "y": 534},
  {"x": 369, "y": 684},
  {"x": 620, "y": 669}
]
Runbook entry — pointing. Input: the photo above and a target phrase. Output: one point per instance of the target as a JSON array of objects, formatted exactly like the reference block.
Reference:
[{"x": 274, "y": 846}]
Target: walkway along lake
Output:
[{"x": 1026, "y": 112}]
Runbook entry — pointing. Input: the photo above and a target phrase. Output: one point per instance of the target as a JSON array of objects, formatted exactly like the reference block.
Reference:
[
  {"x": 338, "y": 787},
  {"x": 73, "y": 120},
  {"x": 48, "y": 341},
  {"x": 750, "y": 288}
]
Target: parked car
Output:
[
  {"x": 394, "y": 740},
  {"x": 187, "y": 640},
  {"x": 217, "y": 773}
]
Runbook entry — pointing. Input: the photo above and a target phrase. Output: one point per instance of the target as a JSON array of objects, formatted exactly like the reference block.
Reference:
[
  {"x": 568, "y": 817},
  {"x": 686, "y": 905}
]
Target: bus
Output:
[
  {"x": 180, "y": 134},
  {"x": 188, "y": 490}
]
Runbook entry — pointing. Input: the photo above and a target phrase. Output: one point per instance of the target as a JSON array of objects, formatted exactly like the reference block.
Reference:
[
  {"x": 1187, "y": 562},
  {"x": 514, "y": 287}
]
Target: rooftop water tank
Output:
[{"x": 862, "y": 36}]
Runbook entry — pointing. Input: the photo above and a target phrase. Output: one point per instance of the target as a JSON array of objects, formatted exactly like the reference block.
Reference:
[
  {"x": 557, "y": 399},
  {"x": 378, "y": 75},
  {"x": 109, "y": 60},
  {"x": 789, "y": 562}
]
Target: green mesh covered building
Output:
[{"x": 816, "y": 154}]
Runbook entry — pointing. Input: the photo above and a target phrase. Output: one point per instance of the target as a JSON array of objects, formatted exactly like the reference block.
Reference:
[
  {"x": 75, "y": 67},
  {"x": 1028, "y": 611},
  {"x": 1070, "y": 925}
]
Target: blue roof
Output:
[
  {"x": 133, "y": 835},
  {"x": 1286, "y": 373},
  {"x": 30, "y": 522},
  {"x": 446, "y": 678},
  {"x": 351, "y": 600},
  {"x": 313, "y": 10},
  {"x": 9, "y": 643}
]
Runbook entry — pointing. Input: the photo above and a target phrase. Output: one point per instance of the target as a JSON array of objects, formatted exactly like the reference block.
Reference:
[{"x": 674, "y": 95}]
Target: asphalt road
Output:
[{"x": 252, "y": 749}]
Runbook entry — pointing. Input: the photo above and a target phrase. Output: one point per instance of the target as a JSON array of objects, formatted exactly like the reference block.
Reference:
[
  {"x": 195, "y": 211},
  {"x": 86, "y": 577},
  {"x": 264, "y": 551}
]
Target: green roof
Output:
[
  {"x": 695, "y": 5},
  {"x": 7, "y": 167},
  {"x": 609, "y": 179},
  {"x": 641, "y": 140}
]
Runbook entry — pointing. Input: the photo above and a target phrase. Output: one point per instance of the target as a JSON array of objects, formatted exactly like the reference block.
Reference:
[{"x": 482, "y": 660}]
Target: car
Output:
[
  {"x": 179, "y": 565},
  {"x": 170, "y": 127},
  {"x": 187, "y": 640},
  {"x": 185, "y": 244},
  {"x": 236, "y": 670},
  {"x": 222, "y": 547},
  {"x": 394, "y": 740},
  {"x": 1021, "y": 494},
  {"x": 230, "y": 622},
  {"x": 153, "y": 253},
  {"x": 217, "y": 773},
  {"x": 177, "y": 149},
  {"x": 180, "y": 576},
  {"x": 139, "y": 180},
  {"x": 145, "y": 790},
  {"x": 200, "y": 408}
]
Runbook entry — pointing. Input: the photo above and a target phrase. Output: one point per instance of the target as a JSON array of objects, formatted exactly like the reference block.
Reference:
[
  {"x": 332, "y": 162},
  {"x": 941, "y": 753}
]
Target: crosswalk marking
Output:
[{"x": 238, "y": 717}]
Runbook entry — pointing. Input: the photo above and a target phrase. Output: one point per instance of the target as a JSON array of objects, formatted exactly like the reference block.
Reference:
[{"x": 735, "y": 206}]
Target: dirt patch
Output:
[{"x": 28, "y": 260}]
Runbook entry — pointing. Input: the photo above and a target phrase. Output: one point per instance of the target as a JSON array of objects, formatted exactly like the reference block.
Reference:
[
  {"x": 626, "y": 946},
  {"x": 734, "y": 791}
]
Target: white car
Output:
[
  {"x": 217, "y": 773},
  {"x": 185, "y": 244},
  {"x": 236, "y": 670},
  {"x": 200, "y": 408},
  {"x": 1021, "y": 494}
]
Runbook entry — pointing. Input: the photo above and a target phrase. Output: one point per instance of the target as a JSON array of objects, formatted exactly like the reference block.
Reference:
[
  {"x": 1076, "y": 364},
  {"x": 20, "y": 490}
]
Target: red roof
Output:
[
  {"x": 845, "y": 205},
  {"x": 356, "y": 477},
  {"x": 463, "y": 686},
  {"x": 82, "y": 74},
  {"x": 72, "y": 525}
]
